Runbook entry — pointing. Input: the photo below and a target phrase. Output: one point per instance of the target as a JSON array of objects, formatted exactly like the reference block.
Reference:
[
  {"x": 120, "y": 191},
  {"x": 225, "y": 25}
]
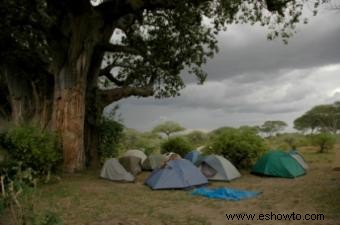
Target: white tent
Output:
[
  {"x": 216, "y": 167},
  {"x": 113, "y": 170},
  {"x": 136, "y": 153}
]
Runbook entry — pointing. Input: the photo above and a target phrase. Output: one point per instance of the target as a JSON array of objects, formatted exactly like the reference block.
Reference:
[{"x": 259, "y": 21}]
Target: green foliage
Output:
[
  {"x": 217, "y": 132},
  {"x": 325, "y": 118},
  {"x": 45, "y": 218},
  {"x": 240, "y": 146},
  {"x": 110, "y": 134},
  {"x": 19, "y": 198},
  {"x": 147, "y": 141},
  {"x": 325, "y": 141},
  {"x": 271, "y": 127},
  {"x": 287, "y": 141},
  {"x": 33, "y": 148},
  {"x": 178, "y": 145},
  {"x": 168, "y": 128},
  {"x": 197, "y": 138}
]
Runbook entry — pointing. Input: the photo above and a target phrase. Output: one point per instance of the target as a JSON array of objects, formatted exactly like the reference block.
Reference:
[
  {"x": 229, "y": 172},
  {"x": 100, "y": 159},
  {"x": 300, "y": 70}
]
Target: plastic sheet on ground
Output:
[{"x": 225, "y": 193}]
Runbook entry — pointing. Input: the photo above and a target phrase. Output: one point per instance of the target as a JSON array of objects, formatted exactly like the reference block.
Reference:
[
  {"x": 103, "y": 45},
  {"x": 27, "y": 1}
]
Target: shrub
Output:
[
  {"x": 33, "y": 148},
  {"x": 325, "y": 141},
  {"x": 110, "y": 133},
  {"x": 240, "y": 146},
  {"x": 147, "y": 141},
  {"x": 19, "y": 199},
  {"x": 197, "y": 138},
  {"x": 178, "y": 145},
  {"x": 288, "y": 141}
]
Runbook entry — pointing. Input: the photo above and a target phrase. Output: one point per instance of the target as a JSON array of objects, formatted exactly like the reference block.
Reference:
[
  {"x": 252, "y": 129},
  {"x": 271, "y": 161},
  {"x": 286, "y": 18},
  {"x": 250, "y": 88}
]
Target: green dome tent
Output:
[{"x": 278, "y": 164}]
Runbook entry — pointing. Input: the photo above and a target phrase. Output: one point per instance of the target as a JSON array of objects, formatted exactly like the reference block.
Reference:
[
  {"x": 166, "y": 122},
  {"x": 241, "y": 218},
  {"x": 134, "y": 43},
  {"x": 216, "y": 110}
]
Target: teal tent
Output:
[
  {"x": 299, "y": 158},
  {"x": 278, "y": 164}
]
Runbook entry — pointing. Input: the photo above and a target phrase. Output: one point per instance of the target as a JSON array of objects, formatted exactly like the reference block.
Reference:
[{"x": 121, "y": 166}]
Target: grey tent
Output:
[
  {"x": 177, "y": 174},
  {"x": 136, "y": 153},
  {"x": 132, "y": 164},
  {"x": 299, "y": 158},
  {"x": 171, "y": 156},
  {"x": 114, "y": 171},
  {"x": 154, "y": 161},
  {"x": 216, "y": 167}
]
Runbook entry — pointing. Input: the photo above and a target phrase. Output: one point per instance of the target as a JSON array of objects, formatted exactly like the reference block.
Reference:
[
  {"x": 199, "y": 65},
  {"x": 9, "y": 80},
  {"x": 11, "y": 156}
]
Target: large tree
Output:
[
  {"x": 52, "y": 53},
  {"x": 168, "y": 128},
  {"x": 324, "y": 118},
  {"x": 271, "y": 127}
]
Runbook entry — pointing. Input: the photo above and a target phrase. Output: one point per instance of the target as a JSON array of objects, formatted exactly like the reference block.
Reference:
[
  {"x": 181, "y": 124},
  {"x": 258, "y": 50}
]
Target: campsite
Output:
[
  {"x": 169, "y": 112},
  {"x": 85, "y": 199}
]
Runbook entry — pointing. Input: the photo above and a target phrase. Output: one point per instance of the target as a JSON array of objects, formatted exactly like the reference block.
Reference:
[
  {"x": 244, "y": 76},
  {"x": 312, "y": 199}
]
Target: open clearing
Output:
[{"x": 84, "y": 199}]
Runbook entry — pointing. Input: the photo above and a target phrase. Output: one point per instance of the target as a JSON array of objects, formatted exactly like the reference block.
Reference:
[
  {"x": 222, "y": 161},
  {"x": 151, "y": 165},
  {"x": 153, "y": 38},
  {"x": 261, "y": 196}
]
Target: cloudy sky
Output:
[{"x": 252, "y": 80}]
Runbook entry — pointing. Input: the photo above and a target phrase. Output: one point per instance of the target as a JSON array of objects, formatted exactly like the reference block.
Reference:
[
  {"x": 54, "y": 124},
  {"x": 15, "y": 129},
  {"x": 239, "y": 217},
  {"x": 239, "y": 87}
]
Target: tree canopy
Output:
[
  {"x": 59, "y": 64},
  {"x": 168, "y": 128},
  {"x": 321, "y": 117},
  {"x": 272, "y": 126}
]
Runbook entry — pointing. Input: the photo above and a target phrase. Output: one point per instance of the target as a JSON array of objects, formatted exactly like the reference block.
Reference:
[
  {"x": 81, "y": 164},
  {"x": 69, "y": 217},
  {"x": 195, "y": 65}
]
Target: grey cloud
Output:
[
  {"x": 253, "y": 80},
  {"x": 315, "y": 44}
]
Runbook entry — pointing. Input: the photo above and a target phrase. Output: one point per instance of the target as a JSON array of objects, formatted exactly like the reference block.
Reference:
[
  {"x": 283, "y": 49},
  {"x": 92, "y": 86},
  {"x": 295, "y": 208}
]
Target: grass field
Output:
[{"x": 84, "y": 199}]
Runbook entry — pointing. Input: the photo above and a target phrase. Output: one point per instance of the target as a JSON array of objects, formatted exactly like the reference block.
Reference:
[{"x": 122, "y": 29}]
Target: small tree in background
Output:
[
  {"x": 178, "y": 145},
  {"x": 240, "y": 146},
  {"x": 325, "y": 141},
  {"x": 272, "y": 127},
  {"x": 168, "y": 128}
]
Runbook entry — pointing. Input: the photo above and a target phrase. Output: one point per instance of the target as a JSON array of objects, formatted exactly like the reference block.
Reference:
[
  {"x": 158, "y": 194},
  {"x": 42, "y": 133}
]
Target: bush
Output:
[
  {"x": 110, "y": 133},
  {"x": 178, "y": 145},
  {"x": 19, "y": 199},
  {"x": 197, "y": 138},
  {"x": 287, "y": 141},
  {"x": 240, "y": 146},
  {"x": 147, "y": 141},
  {"x": 33, "y": 148},
  {"x": 325, "y": 141}
]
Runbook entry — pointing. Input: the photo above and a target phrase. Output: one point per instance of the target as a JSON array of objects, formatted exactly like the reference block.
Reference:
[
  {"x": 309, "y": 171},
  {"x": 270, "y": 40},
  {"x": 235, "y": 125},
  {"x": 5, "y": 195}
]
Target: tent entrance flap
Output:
[{"x": 207, "y": 170}]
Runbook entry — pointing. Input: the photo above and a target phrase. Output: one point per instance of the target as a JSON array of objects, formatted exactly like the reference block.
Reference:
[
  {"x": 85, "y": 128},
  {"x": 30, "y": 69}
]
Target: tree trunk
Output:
[
  {"x": 65, "y": 98},
  {"x": 28, "y": 99},
  {"x": 71, "y": 86},
  {"x": 75, "y": 91},
  {"x": 69, "y": 115}
]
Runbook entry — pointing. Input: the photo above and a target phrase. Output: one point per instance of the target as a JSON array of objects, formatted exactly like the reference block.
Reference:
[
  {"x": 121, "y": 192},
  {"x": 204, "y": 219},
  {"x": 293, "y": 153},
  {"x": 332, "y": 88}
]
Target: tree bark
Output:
[
  {"x": 27, "y": 99},
  {"x": 70, "y": 89}
]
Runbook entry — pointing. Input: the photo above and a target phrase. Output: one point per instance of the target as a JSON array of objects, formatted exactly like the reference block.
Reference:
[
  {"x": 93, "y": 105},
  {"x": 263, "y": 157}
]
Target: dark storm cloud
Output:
[
  {"x": 244, "y": 50},
  {"x": 252, "y": 80}
]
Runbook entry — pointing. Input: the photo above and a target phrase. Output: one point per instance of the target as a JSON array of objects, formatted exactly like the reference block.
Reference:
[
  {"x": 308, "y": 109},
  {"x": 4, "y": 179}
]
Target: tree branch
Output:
[
  {"x": 108, "y": 47},
  {"x": 112, "y": 95}
]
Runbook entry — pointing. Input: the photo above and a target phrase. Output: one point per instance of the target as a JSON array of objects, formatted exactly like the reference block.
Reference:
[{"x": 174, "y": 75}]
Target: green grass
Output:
[{"x": 82, "y": 199}]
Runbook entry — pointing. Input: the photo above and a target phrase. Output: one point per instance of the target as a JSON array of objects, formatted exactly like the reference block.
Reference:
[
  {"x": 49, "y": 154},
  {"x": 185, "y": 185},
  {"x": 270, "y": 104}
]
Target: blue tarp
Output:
[{"x": 225, "y": 193}]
